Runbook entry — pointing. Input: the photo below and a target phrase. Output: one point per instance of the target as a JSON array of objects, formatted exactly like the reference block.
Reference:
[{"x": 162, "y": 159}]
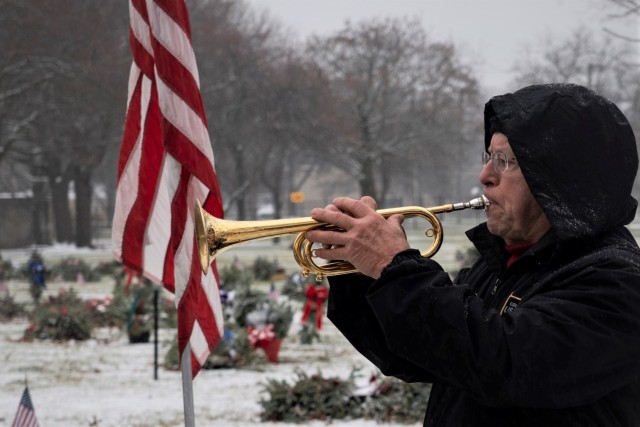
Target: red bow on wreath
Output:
[
  {"x": 315, "y": 297},
  {"x": 260, "y": 338}
]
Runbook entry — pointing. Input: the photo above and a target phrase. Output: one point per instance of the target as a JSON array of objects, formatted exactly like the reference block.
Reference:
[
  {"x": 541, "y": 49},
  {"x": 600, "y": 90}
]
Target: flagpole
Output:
[
  {"x": 155, "y": 331},
  {"x": 187, "y": 387}
]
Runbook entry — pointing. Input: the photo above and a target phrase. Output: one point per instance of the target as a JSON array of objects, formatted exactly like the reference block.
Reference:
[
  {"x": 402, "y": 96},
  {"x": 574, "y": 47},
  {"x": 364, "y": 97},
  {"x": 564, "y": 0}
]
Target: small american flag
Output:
[
  {"x": 26, "y": 415},
  {"x": 166, "y": 163}
]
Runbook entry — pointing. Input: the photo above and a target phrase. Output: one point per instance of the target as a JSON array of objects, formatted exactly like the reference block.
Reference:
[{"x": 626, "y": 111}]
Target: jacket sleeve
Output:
[
  {"x": 349, "y": 310},
  {"x": 576, "y": 340}
]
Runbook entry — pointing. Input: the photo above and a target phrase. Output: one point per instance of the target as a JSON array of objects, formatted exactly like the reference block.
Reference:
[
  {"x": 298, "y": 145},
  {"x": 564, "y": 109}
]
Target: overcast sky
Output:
[{"x": 491, "y": 31}]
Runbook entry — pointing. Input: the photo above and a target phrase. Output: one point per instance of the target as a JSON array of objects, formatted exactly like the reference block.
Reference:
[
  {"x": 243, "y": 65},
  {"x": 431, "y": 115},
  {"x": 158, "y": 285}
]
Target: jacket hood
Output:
[{"x": 577, "y": 153}]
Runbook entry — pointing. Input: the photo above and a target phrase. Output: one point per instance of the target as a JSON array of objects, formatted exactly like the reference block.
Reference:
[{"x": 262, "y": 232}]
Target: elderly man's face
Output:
[{"x": 514, "y": 214}]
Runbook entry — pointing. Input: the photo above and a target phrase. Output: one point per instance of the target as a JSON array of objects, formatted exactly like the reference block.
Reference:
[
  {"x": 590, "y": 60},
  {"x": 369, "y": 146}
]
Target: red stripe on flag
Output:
[
  {"x": 141, "y": 57},
  {"x": 179, "y": 211},
  {"x": 191, "y": 158},
  {"x": 211, "y": 205}
]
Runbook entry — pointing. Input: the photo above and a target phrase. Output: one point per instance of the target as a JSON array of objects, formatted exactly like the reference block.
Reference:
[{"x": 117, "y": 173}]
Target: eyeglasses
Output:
[{"x": 500, "y": 161}]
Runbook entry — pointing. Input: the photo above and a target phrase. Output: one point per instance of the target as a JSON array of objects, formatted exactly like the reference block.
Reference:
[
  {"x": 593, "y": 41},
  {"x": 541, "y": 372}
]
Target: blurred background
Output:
[{"x": 305, "y": 100}]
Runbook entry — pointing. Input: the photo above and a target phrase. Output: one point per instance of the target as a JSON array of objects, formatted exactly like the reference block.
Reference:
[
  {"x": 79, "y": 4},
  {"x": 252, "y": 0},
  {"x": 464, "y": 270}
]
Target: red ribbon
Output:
[
  {"x": 315, "y": 297},
  {"x": 131, "y": 274},
  {"x": 261, "y": 337}
]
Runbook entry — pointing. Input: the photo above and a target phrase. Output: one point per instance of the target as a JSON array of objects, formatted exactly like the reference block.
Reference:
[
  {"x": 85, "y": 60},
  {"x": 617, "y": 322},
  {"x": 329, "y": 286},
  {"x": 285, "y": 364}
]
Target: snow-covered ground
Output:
[{"x": 108, "y": 382}]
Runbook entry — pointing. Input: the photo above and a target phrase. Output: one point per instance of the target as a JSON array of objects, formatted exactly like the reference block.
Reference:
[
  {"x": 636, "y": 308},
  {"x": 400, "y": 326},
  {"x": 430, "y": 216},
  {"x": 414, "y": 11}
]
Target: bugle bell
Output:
[{"x": 215, "y": 235}]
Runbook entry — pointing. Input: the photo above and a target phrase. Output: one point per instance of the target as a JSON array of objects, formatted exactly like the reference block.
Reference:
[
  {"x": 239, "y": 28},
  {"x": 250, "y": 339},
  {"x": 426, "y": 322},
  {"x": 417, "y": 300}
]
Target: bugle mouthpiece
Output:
[{"x": 478, "y": 203}]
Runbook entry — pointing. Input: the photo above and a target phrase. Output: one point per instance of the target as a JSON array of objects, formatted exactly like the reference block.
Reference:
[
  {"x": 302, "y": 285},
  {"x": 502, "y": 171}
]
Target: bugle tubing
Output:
[{"x": 215, "y": 235}]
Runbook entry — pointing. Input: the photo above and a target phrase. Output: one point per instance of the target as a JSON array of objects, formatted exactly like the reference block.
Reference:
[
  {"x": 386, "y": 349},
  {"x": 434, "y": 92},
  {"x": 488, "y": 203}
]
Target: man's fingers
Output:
[
  {"x": 332, "y": 254},
  {"x": 336, "y": 218},
  {"x": 343, "y": 209},
  {"x": 397, "y": 219},
  {"x": 363, "y": 237},
  {"x": 328, "y": 238},
  {"x": 356, "y": 208},
  {"x": 370, "y": 202}
]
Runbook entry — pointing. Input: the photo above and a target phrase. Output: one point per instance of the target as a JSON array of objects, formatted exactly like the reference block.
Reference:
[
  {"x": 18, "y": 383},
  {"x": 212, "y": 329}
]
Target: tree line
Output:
[{"x": 396, "y": 112}]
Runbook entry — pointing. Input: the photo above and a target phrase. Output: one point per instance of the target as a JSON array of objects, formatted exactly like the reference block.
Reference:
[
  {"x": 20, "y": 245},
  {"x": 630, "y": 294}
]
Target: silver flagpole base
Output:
[{"x": 187, "y": 387}]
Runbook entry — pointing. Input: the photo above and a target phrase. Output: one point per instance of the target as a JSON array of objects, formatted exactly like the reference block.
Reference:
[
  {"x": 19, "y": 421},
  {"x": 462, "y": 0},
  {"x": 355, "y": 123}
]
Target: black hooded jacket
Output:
[{"x": 551, "y": 340}]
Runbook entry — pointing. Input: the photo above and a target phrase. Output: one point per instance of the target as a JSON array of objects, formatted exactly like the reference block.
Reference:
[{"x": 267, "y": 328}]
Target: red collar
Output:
[{"x": 516, "y": 250}]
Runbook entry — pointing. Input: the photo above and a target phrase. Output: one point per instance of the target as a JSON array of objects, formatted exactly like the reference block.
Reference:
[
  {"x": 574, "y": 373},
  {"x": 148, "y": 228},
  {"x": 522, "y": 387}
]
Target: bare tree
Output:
[
  {"x": 300, "y": 120},
  {"x": 261, "y": 99},
  {"x": 606, "y": 64},
  {"x": 624, "y": 10},
  {"x": 62, "y": 80},
  {"x": 395, "y": 91},
  {"x": 601, "y": 63},
  {"x": 236, "y": 50}
]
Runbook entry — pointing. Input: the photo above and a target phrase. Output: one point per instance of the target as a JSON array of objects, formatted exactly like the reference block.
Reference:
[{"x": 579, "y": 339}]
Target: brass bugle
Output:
[{"x": 215, "y": 235}]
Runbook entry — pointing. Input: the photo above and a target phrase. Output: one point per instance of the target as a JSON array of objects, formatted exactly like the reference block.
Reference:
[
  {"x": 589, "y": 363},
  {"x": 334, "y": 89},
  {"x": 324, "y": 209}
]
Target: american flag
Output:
[
  {"x": 166, "y": 163},
  {"x": 26, "y": 415}
]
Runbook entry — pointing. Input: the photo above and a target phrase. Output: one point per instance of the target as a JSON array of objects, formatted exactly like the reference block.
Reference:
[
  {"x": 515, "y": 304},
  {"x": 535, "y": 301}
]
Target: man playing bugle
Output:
[{"x": 544, "y": 328}]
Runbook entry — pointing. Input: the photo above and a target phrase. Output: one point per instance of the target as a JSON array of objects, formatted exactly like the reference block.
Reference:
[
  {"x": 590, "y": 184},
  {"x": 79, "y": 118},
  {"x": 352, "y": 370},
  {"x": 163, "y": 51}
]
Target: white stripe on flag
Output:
[
  {"x": 158, "y": 233},
  {"x": 140, "y": 29},
  {"x": 212, "y": 292},
  {"x": 198, "y": 343}
]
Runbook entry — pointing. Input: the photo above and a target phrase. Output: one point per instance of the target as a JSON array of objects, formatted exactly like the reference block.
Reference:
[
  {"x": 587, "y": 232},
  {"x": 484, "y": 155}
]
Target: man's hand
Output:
[{"x": 366, "y": 239}]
